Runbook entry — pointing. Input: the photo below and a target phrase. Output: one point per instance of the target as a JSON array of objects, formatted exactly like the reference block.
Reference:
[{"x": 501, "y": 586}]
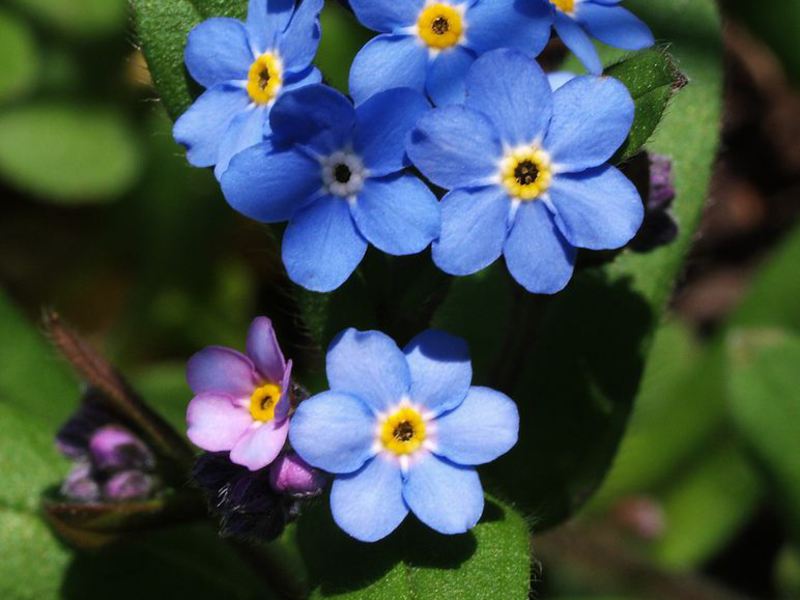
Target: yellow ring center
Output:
[
  {"x": 265, "y": 78},
  {"x": 567, "y": 6},
  {"x": 403, "y": 432},
  {"x": 263, "y": 402},
  {"x": 440, "y": 26},
  {"x": 526, "y": 173}
]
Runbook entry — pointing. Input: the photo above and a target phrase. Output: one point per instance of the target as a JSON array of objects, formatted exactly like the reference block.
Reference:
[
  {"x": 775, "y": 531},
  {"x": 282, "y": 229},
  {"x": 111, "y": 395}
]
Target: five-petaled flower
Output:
[
  {"x": 242, "y": 401},
  {"x": 429, "y": 45},
  {"x": 402, "y": 431},
  {"x": 246, "y": 67},
  {"x": 576, "y": 20},
  {"x": 335, "y": 172},
  {"x": 528, "y": 171}
]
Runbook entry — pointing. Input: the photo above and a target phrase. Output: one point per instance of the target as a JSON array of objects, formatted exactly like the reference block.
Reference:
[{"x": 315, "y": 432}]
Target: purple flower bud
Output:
[
  {"x": 129, "y": 485},
  {"x": 291, "y": 475},
  {"x": 662, "y": 188},
  {"x": 659, "y": 227},
  {"x": 72, "y": 440},
  {"x": 80, "y": 485},
  {"x": 114, "y": 448}
]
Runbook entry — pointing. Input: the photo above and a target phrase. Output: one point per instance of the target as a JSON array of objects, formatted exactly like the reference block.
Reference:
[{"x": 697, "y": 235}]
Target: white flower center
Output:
[{"x": 343, "y": 173}]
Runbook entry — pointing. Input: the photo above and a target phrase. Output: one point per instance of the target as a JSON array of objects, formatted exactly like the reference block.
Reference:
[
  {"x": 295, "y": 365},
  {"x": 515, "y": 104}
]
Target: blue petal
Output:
[
  {"x": 397, "y": 214},
  {"x": 598, "y": 209},
  {"x": 558, "y": 79},
  {"x": 246, "y": 130},
  {"x": 474, "y": 230},
  {"x": 368, "y": 505},
  {"x": 440, "y": 368},
  {"x": 383, "y": 123},
  {"x": 203, "y": 126},
  {"x": 270, "y": 186},
  {"x": 509, "y": 24},
  {"x": 591, "y": 119},
  {"x": 298, "y": 44},
  {"x": 387, "y": 15},
  {"x": 455, "y": 147},
  {"x": 312, "y": 75},
  {"x": 386, "y": 62},
  {"x": 334, "y": 432},
  {"x": 266, "y": 19},
  {"x": 537, "y": 255},
  {"x": 444, "y": 496},
  {"x": 217, "y": 51},
  {"x": 513, "y": 91},
  {"x": 447, "y": 75},
  {"x": 615, "y": 26},
  {"x": 321, "y": 246},
  {"x": 370, "y": 366},
  {"x": 314, "y": 115},
  {"x": 484, "y": 427},
  {"x": 576, "y": 39}
]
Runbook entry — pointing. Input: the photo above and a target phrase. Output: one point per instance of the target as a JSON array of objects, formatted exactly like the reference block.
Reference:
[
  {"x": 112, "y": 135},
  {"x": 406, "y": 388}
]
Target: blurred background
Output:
[{"x": 102, "y": 218}]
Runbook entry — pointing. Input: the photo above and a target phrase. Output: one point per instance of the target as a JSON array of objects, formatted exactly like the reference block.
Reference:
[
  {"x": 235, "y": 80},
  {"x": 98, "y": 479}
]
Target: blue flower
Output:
[
  {"x": 576, "y": 20},
  {"x": 402, "y": 431},
  {"x": 528, "y": 173},
  {"x": 336, "y": 174},
  {"x": 245, "y": 68},
  {"x": 429, "y": 45}
]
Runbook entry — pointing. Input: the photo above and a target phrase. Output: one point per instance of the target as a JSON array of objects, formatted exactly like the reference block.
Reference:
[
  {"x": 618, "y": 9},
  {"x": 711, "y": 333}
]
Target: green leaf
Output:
[
  {"x": 342, "y": 38},
  {"x": 764, "y": 393},
  {"x": 66, "y": 154},
  {"x": 492, "y": 561},
  {"x": 78, "y": 17},
  {"x": 652, "y": 78},
  {"x": 163, "y": 27},
  {"x": 19, "y": 58}
]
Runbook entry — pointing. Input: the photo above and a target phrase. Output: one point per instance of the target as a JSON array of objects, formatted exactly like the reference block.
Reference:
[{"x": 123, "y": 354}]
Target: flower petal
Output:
[
  {"x": 298, "y": 44},
  {"x": 264, "y": 350},
  {"x": 383, "y": 123},
  {"x": 455, "y": 147},
  {"x": 217, "y": 51},
  {"x": 368, "y": 505},
  {"x": 397, "y": 214},
  {"x": 484, "y": 427},
  {"x": 215, "y": 423},
  {"x": 334, "y": 432},
  {"x": 321, "y": 245},
  {"x": 447, "y": 75},
  {"x": 474, "y": 230},
  {"x": 444, "y": 496},
  {"x": 285, "y": 402},
  {"x": 387, "y": 15},
  {"x": 316, "y": 116},
  {"x": 591, "y": 120},
  {"x": 577, "y": 40},
  {"x": 246, "y": 130},
  {"x": 599, "y": 209},
  {"x": 260, "y": 445},
  {"x": 221, "y": 370},
  {"x": 266, "y": 19},
  {"x": 202, "y": 128},
  {"x": 270, "y": 186},
  {"x": 615, "y": 26},
  {"x": 524, "y": 26},
  {"x": 440, "y": 368},
  {"x": 370, "y": 366},
  {"x": 537, "y": 255},
  {"x": 513, "y": 92},
  {"x": 386, "y": 62}
]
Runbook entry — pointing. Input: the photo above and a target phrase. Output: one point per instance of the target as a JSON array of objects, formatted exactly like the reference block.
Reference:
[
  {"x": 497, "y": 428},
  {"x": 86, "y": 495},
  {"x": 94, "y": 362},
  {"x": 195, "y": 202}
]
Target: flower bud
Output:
[
  {"x": 114, "y": 448},
  {"x": 80, "y": 485},
  {"x": 129, "y": 485},
  {"x": 291, "y": 475}
]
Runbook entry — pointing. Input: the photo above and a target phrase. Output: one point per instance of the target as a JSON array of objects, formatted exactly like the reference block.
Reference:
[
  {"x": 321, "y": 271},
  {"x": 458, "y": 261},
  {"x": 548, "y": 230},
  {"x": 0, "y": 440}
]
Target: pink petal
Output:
[
  {"x": 215, "y": 422},
  {"x": 260, "y": 445},
  {"x": 264, "y": 351},
  {"x": 221, "y": 370},
  {"x": 284, "y": 404}
]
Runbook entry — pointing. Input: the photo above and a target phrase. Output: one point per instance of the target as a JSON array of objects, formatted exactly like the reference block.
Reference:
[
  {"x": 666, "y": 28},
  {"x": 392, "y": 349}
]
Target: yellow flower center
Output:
[
  {"x": 265, "y": 78},
  {"x": 403, "y": 431},
  {"x": 263, "y": 402},
  {"x": 441, "y": 26},
  {"x": 567, "y": 6},
  {"x": 526, "y": 173}
]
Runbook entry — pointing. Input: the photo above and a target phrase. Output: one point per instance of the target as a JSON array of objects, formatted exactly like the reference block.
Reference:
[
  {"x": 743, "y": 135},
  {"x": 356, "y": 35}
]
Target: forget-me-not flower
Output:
[
  {"x": 335, "y": 173},
  {"x": 429, "y": 45},
  {"x": 245, "y": 68},
  {"x": 402, "y": 431},
  {"x": 241, "y": 402},
  {"x": 528, "y": 173},
  {"x": 577, "y": 21}
]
